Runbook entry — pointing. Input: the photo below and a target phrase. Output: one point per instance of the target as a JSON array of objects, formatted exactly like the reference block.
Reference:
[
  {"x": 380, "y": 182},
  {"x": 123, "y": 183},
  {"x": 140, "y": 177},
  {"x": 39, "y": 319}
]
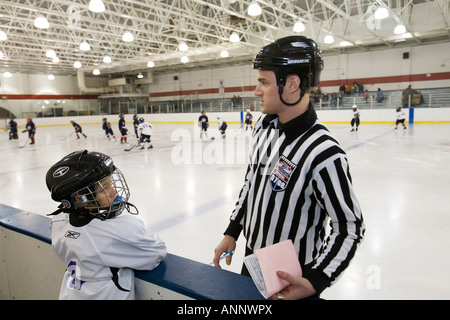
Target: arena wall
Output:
[
  {"x": 368, "y": 116},
  {"x": 30, "y": 269}
]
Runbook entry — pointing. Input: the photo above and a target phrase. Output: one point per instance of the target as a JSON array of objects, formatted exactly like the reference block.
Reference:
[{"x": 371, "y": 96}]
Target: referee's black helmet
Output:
[{"x": 293, "y": 55}]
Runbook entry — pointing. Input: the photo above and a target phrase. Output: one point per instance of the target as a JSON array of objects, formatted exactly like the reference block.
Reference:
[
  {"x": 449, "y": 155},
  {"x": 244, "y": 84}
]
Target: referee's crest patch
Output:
[{"x": 281, "y": 174}]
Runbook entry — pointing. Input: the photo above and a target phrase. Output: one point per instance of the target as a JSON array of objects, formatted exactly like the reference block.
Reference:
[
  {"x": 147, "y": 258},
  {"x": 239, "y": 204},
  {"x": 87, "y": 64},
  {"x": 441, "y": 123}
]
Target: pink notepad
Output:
[{"x": 265, "y": 262}]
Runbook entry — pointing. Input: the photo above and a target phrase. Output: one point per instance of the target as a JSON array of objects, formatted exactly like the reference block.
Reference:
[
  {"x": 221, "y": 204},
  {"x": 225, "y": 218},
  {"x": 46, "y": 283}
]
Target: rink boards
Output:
[{"x": 30, "y": 269}]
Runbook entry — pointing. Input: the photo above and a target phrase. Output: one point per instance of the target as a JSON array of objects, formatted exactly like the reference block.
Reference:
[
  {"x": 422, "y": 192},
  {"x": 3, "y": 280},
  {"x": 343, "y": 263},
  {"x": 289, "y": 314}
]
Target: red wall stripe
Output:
[
  {"x": 202, "y": 91},
  {"x": 326, "y": 83},
  {"x": 48, "y": 96},
  {"x": 390, "y": 79}
]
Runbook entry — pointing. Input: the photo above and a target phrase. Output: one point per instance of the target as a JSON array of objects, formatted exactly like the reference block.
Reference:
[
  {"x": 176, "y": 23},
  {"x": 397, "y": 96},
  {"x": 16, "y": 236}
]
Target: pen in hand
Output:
[{"x": 229, "y": 253}]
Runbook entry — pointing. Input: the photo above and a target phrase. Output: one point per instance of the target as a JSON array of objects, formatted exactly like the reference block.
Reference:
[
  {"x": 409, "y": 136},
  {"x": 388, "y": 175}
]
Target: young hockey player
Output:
[
  {"x": 78, "y": 129},
  {"x": 355, "y": 119},
  {"x": 203, "y": 124},
  {"x": 100, "y": 247},
  {"x": 222, "y": 126},
  {"x": 400, "y": 118},
  {"x": 123, "y": 130},
  {"x": 31, "y": 128},
  {"x": 248, "y": 120},
  {"x": 108, "y": 129},
  {"x": 145, "y": 130},
  {"x": 135, "y": 125},
  {"x": 13, "y": 129}
]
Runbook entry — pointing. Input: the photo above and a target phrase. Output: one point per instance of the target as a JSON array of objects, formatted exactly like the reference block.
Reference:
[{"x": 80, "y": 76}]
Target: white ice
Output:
[{"x": 185, "y": 190}]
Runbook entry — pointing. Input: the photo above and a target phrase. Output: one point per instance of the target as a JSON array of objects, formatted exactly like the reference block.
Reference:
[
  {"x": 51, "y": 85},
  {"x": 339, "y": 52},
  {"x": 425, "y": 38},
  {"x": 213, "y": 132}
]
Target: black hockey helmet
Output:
[
  {"x": 88, "y": 182},
  {"x": 293, "y": 55}
]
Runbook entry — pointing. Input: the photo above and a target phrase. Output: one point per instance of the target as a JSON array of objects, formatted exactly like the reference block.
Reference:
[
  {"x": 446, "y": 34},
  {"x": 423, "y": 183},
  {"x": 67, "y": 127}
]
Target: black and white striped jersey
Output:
[{"x": 297, "y": 180}]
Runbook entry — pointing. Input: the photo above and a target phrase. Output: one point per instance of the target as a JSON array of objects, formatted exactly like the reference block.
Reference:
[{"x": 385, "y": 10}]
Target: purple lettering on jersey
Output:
[{"x": 74, "y": 271}]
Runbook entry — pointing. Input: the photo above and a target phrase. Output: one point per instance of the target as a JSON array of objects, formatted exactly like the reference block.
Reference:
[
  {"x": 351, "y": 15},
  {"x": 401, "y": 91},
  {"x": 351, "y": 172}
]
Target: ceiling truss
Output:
[{"x": 159, "y": 26}]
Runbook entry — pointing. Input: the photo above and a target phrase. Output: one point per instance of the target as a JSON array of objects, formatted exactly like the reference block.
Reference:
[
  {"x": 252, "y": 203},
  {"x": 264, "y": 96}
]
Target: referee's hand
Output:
[
  {"x": 227, "y": 244},
  {"x": 298, "y": 288}
]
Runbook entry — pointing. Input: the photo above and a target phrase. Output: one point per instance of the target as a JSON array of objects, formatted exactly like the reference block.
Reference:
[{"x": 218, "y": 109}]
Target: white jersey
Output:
[
  {"x": 400, "y": 115},
  {"x": 101, "y": 256},
  {"x": 145, "y": 128}
]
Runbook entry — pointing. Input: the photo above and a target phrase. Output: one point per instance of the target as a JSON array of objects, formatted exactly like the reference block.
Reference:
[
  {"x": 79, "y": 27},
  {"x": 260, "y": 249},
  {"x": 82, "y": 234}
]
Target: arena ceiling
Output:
[{"x": 160, "y": 26}]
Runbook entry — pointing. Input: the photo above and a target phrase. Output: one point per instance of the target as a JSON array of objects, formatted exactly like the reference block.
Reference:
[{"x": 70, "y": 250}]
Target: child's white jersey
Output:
[
  {"x": 101, "y": 255},
  {"x": 400, "y": 115},
  {"x": 145, "y": 128}
]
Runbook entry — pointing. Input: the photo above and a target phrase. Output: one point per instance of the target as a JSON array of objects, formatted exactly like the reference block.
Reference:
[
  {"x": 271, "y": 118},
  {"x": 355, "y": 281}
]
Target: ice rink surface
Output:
[{"x": 185, "y": 190}]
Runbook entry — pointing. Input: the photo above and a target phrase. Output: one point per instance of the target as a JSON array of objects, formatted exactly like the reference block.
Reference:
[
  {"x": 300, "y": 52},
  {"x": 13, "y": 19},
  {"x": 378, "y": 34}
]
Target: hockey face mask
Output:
[{"x": 106, "y": 198}]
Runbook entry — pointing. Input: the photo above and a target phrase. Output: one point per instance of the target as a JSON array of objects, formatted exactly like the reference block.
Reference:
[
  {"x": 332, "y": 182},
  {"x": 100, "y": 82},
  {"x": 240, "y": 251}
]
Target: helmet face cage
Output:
[{"x": 104, "y": 199}]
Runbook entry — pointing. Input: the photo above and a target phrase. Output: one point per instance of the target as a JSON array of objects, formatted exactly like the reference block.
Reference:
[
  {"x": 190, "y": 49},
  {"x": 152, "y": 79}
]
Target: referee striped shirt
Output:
[{"x": 297, "y": 180}]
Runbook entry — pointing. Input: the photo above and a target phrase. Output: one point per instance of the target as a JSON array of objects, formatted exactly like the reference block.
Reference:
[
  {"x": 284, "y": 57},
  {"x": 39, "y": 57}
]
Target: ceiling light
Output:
[
  {"x": 7, "y": 74},
  {"x": 1, "y": 54},
  {"x": 224, "y": 53},
  {"x": 77, "y": 64},
  {"x": 150, "y": 64},
  {"x": 183, "y": 47},
  {"x": 381, "y": 13},
  {"x": 51, "y": 77},
  {"x": 96, "y": 72},
  {"x": 140, "y": 76},
  {"x": 55, "y": 60},
  {"x": 400, "y": 29},
  {"x": 299, "y": 27},
  {"x": 96, "y": 6},
  {"x": 184, "y": 59},
  {"x": 84, "y": 46},
  {"x": 407, "y": 35},
  {"x": 107, "y": 59},
  {"x": 50, "y": 53},
  {"x": 234, "y": 37},
  {"x": 254, "y": 10},
  {"x": 127, "y": 36},
  {"x": 329, "y": 39},
  {"x": 3, "y": 36},
  {"x": 345, "y": 43},
  {"x": 41, "y": 23}
]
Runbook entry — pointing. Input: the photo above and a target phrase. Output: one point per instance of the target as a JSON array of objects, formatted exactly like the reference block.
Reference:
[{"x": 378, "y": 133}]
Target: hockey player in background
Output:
[
  {"x": 78, "y": 129},
  {"x": 145, "y": 130},
  {"x": 203, "y": 124},
  {"x": 12, "y": 129},
  {"x": 135, "y": 125},
  {"x": 100, "y": 246},
  {"x": 108, "y": 129},
  {"x": 400, "y": 118},
  {"x": 123, "y": 130},
  {"x": 31, "y": 128},
  {"x": 248, "y": 120},
  {"x": 222, "y": 126},
  {"x": 355, "y": 120}
]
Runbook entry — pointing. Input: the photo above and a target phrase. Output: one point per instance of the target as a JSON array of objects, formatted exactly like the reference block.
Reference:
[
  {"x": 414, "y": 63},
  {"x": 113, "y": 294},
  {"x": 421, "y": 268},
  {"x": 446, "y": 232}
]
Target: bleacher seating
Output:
[{"x": 432, "y": 97}]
